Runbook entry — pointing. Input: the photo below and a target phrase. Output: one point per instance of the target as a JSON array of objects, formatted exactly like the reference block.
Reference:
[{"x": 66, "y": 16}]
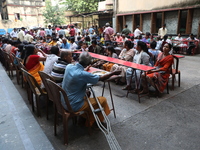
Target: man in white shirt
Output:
[
  {"x": 51, "y": 59},
  {"x": 162, "y": 31},
  {"x": 137, "y": 32},
  {"x": 28, "y": 37},
  {"x": 21, "y": 34},
  {"x": 13, "y": 34},
  {"x": 73, "y": 45}
]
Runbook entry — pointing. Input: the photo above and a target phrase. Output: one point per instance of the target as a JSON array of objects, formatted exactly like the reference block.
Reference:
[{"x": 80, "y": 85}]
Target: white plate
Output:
[{"x": 100, "y": 73}]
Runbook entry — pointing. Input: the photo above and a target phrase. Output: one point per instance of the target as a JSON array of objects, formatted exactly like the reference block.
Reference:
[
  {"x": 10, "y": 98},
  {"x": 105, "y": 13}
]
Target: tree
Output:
[
  {"x": 54, "y": 14},
  {"x": 81, "y": 6}
]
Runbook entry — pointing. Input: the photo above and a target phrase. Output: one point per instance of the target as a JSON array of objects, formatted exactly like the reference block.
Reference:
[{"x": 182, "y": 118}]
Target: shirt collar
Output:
[{"x": 80, "y": 66}]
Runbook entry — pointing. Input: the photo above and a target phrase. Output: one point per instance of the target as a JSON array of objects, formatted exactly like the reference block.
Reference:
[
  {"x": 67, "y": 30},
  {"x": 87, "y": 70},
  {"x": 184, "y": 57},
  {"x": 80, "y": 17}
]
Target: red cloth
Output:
[
  {"x": 13, "y": 50},
  {"x": 57, "y": 29},
  {"x": 32, "y": 61}
]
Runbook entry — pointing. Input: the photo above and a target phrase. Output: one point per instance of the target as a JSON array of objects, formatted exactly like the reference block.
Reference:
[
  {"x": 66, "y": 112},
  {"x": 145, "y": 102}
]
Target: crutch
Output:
[{"x": 113, "y": 143}]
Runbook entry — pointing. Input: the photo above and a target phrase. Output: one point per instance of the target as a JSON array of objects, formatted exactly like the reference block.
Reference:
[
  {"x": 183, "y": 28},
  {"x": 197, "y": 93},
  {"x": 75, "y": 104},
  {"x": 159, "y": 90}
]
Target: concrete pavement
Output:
[{"x": 18, "y": 127}]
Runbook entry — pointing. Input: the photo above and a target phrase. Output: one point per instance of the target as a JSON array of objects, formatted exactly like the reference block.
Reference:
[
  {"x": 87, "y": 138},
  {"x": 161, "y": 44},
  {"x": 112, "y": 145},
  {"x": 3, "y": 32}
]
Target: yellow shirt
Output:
[
  {"x": 53, "y": 43},
  {"x": 162, "y": 32}
]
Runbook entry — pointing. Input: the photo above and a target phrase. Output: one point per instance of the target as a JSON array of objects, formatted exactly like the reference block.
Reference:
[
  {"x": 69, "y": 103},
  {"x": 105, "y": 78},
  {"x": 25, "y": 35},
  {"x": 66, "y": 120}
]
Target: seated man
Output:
[
  {"x": 178, "y": 43},
  {"x": 94, "y": 48},
  {"x": 60, "y": 65},
  {"x": 65, "y": 44},
  {"x": 75, "y": 82}
]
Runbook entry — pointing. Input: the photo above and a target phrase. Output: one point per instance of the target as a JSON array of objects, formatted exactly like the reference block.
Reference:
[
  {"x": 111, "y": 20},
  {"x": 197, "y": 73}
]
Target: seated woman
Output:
[
  {"x": 53, "y": 42},
  {"x": 153, "y": 52},
  {"x": 126, "y": 54},
  {"x": 158, "y": 78},
  {"x": 141, "y": 57},
  {"x": 32, "y": 61},
  {"x": 107, "y": 66}
]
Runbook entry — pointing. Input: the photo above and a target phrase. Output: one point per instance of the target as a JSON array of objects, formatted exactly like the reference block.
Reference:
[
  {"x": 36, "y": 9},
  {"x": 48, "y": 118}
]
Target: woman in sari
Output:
[
  {"x": 111, "y": 53},
  {"x": 158, "y": 78},
  {"x": 126, "y": 54},
  {"x": 32, "y": 61}
]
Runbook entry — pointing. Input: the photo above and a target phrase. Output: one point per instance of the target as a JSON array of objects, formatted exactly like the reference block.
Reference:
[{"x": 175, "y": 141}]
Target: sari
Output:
[
  {"x": 107, "y": 66},
  {"x": 34, "y": 72},
  {"x": 33, "y": 66},
  {"x": 160, "y": 79}
]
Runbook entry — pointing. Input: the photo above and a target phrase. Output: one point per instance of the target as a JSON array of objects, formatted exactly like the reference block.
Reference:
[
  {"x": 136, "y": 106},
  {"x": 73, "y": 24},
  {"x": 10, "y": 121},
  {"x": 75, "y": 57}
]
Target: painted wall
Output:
[
  {"x": 143, "y": 5},
  {"x": 30, "y": 14}
]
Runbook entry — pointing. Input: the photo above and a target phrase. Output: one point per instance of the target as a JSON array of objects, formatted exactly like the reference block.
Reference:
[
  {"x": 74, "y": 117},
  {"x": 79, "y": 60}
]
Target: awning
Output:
[
  {"x": 2, "y": 32},
  {"x": 9, "y": 30}
]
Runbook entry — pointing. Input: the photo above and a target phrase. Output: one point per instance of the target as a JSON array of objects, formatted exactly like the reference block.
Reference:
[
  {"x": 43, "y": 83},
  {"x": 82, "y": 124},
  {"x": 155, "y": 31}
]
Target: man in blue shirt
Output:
[
  {"x": 49, "y": 31},
  {"x": 75, "y": 82},
  {"x": 65, "y": 44}
]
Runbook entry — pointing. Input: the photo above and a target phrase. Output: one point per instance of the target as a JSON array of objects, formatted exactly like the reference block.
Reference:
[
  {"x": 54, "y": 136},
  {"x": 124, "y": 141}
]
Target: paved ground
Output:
[
  {"x": 18, "y": 127},
  {"x": 170, "y": 122}
]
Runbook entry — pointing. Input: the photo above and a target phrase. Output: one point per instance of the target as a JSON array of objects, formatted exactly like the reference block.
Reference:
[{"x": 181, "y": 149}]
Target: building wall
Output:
[
  {"x": 146, "y": 23},
  {"x": 196, "y": 21},
  {"x": 30, "y": 13},
  {"x": 144, "y": 5},
  {"x": 171, "y": 22}
]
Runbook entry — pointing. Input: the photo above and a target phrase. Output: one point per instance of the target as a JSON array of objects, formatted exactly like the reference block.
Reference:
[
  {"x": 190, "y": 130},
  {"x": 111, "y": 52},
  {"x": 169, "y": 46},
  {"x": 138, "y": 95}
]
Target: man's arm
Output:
[{"x": 106, "y": 76}]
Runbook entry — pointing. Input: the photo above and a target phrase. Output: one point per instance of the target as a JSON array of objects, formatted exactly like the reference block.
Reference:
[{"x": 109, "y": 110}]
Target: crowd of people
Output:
[{"x": 49, "y": 45}]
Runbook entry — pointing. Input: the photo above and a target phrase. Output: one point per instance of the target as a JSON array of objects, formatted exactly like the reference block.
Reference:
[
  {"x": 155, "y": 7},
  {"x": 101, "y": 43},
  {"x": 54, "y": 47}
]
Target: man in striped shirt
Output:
[{"x": 60, "y": 65}]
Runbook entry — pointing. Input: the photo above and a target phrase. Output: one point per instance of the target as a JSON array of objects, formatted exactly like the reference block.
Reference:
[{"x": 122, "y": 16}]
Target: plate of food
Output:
[{"x": 100, "y": 73}]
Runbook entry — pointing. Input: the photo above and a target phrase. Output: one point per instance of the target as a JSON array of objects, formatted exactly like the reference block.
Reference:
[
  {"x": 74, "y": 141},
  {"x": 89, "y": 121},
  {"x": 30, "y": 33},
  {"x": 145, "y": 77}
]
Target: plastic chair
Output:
[
  {"x": 57, "y": 91},
  {"x": 175, "y": 71},
  {"x": 195, "y": 48},
  {"x": 36, "y": 90},
  {"x": 18, "y": 70},
  {"x": 2, "y": 59},
  {"x": 20, "y": 65},
  {"x": 9, "y": 64},
  {"x": 45, "y": 76}
]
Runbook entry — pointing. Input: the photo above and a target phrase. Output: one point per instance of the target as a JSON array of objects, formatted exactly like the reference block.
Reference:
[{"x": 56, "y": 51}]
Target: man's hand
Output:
[
  {"x": 107, "y": 76},
  {"x": 117, "y": 72},
  {"x": 87, "y": 68}
]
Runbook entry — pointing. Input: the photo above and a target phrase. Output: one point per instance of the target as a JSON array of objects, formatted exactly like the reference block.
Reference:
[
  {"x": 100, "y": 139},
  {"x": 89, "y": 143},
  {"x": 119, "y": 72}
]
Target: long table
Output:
[
  {"x": 132, "y": 65},
  {"x": 121, "y": 62}
]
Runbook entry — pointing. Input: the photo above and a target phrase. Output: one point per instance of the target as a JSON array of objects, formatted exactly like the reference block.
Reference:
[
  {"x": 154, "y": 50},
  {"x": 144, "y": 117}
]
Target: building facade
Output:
[
  {"x": 180, "y": 16},
  {"x": 18, "y": 13}
]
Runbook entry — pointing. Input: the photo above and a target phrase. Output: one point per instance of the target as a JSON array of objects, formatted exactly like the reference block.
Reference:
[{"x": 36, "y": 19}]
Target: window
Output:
[
  {"x": 183, "y": 19},
  {"x": 137, "y": 20},
  {"x": 17, "y": 16},
  {"x": 158, "y": 21}
]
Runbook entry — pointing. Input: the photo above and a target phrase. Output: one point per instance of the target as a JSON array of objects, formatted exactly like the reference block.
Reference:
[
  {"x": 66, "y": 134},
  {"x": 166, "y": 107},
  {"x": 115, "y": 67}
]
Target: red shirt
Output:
[{"x": 72, "y": 32}]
